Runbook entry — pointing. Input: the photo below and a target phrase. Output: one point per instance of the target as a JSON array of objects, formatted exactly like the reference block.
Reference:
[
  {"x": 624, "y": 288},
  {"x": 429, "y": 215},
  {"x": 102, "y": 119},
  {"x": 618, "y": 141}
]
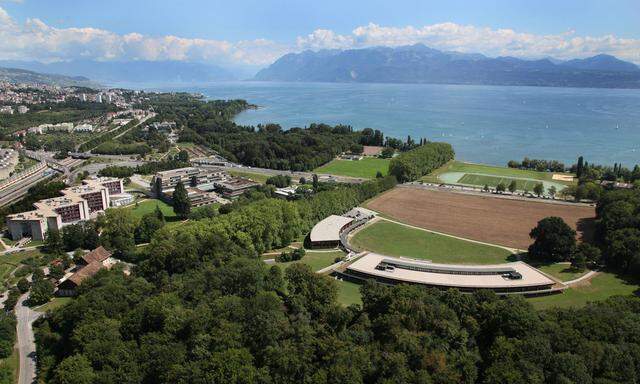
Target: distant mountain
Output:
[
  {"x": 130, "y": 71},
  {"x": 421, "y": 64},
  {"x": 16, "y": 75}
]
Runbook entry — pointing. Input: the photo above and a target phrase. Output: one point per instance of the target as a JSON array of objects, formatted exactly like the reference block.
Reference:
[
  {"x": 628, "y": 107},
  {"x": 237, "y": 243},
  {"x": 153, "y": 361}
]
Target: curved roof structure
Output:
[
  {"x": 329, "y": 228},
  {"x": 516, "y": 276}
]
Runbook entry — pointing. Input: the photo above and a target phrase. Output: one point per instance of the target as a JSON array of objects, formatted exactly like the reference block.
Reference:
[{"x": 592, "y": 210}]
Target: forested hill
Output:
[
  {"x": 421, "y": 64},
  {"x": 15, "y": 75}
]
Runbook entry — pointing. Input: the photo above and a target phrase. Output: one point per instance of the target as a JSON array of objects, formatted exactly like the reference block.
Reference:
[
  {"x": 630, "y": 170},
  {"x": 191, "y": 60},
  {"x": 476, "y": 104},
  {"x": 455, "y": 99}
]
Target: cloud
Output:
[
  {"x": 469, "y": 38},
  {"x": 35, "y": 40}
]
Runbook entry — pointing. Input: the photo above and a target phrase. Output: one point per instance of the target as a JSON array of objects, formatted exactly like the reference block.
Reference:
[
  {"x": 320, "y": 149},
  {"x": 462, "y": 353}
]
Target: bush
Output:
[
  {"x": 554, "y": 240},
  {"x": 23, "y": 285}
]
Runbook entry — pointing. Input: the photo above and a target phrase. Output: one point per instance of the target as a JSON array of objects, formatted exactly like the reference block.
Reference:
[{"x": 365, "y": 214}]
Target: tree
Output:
[
  {"x": 149, "y": 224},
  {"x": 23, "y": 285},
  {"x": 486, "y": 188},
  {"x": 302, "y": 180},
  {"x": 118, "y": 230},
  {"x": 579, "y": 261},
  {"x": 159, "y": 214},
  {"x": 41, "y": 292},
  {"x": 182, "y": 156},
  {"x": 379, "y": 175},
  {"x": 513, "y": 186},
  {"x": 77, "y": 256},
  {"x": 552, "y": 191},
  {"x": 554, "y": 240},
  {"x": 74, "y": 370},
  {"x": 56, "y": 271},
  {"x": 181, "y": 202},
  {"x": 538, "y": 189},
  {"x": 315, "y": 182},
  {"x": 500, "y": 188},
  {"x": 591, "y": 254},
  {"x": 387, "y": 152},
  {"x": 580, "y": 167},
  {"x": 53, "y": 242},
  {"x": 624, "y": 248}
]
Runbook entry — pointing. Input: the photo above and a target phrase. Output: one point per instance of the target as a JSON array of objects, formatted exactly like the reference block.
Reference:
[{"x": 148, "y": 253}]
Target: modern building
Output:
[
  {"x": 326, "y": 234},
  {"x": 76, "y": 204},
  {"x": 22, "y": 109},
  {"x": 516, "y": 277},
  {"x": 235, "y": 186},
  {"x": 83, "y": 128}
]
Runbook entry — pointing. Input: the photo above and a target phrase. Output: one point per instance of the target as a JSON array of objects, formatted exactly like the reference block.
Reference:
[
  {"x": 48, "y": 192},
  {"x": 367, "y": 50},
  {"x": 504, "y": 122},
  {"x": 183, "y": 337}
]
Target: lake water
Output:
[{"x": 488, "y": 124}]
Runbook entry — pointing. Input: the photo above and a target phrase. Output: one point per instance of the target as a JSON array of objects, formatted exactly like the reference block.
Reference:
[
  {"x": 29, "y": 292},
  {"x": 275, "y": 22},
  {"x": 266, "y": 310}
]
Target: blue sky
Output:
[{"x": 250, "y": 32}]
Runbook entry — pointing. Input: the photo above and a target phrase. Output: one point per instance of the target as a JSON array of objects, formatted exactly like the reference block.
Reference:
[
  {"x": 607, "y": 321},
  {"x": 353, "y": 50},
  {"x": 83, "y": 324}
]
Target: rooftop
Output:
[
  {"x": 490, "y": 278},
  {"x": 329, "y": 228}
]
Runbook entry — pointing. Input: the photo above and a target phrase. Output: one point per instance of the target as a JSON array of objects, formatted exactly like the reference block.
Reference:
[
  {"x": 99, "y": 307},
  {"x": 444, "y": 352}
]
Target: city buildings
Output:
[{"x": 76, "y": 204}]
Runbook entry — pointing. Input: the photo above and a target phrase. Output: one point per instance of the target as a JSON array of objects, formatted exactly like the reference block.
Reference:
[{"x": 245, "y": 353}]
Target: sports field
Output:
[
  {"x": 483, "y": 218},
  {"x": 457, "y": 172},
  {"x": 388, "y": 238},
  {"x": 365, "y": 168}
]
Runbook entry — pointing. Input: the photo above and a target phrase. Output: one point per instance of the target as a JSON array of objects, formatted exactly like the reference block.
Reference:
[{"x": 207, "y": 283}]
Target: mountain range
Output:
[
  {"x": 17, "y": 75},
  {"x": 130, "y": 71},
  {"x": 421, "y": 64}
]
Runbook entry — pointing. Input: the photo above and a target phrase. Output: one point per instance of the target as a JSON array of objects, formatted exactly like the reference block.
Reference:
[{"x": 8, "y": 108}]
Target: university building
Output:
[{"x": 76, "y": 204}]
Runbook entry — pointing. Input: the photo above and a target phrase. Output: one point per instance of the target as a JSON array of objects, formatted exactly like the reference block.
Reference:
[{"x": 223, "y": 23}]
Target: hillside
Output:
[
  {"x": 15, "y": 75},
  {"x": 421, "y": 64}
]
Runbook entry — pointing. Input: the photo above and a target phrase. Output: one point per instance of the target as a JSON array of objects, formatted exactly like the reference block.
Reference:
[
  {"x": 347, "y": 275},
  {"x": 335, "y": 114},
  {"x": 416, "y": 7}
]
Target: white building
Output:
[
  {"x": 83, "y": 128},
  {"x": 22, "y": 109},
  {"x": 99, "y": 98},
  {"x": 7, "y": 109}
]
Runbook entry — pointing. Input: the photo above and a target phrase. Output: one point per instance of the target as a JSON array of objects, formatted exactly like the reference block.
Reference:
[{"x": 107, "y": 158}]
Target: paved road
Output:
[
  {"x": 295, "y": 175},
  {"x": 26, "y": 341},
  {"x": 17, "y": 191}
]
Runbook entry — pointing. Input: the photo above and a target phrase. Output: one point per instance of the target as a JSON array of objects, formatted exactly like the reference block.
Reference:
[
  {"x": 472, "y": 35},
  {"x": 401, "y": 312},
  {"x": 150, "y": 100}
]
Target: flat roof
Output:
[
  {"x": 329, "y": 228},
  {"x": 531, "y": 277}
]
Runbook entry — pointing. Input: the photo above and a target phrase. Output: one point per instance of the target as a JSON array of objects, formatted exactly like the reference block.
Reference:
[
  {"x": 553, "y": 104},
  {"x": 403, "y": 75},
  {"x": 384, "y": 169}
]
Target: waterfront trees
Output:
[{"x": 413, "y": 164}]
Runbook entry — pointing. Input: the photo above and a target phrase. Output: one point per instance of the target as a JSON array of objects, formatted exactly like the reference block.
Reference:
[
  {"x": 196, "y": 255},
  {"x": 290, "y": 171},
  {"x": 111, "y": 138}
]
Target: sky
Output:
[{"x": 255, "y": 33}]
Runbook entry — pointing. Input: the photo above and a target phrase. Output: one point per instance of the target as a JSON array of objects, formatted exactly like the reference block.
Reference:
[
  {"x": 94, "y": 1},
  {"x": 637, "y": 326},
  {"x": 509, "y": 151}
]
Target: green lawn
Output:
[
  {"x": 493, "y": 181},
  {"x": 348, "y": 293},
  {"x": 257, "y": 177},
  {"x": 149, "y": 205},
  {"x": 365, "y": 168},
  {"x": 316, "y": 260},
  {"x": 600, "y": 287},
  {"x": 563, "y": 272},
  {"x": 12, "y": 362},
  {"x": 55, "y": 303},
  {"x": 397, "y": 240}
]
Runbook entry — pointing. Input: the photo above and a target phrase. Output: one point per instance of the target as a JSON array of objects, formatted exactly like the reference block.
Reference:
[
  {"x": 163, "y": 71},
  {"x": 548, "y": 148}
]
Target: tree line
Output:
[{"x": 413, "y": 164}]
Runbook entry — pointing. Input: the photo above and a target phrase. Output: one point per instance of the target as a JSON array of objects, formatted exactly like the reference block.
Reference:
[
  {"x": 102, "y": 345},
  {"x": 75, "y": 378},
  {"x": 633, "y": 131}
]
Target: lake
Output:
[{"x": 487, "y": 124}]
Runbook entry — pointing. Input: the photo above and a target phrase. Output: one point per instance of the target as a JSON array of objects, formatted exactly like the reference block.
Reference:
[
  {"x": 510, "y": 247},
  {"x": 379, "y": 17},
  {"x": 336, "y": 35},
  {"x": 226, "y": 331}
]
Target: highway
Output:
[
  {"x": 18, "y": 190},
  {"x": 294, "y": 175}
]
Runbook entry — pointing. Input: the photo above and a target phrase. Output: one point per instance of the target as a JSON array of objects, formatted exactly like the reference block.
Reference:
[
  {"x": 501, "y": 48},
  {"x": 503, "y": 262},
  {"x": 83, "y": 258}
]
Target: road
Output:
[
  {"x": 16, "y": 191},
  {"x": 295, "y": 175},
  {"x": 26, "y": 340}
]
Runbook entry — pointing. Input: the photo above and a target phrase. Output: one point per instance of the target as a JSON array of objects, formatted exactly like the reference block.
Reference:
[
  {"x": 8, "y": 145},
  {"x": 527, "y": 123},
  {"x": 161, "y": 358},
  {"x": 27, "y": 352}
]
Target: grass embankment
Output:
[
  {"x": 257, "y": 177},
  {"x": 561, "y": 271},
  {"x": 316, "y": 260},
  {"x": 600, "y": 287},
  {"x": 149, "y": 206},
  {"x": 348, "y": 293},
  {"x": 55, "y": 303},
  {"x": 11, "y": 261},
  {"x": 397, "y": 240},
  {"x": 480, "y": 174},
  {"x": 367, "y": 168}
]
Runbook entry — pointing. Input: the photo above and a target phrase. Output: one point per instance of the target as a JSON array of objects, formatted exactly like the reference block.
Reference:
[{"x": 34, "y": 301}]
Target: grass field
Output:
[
  {"x": 11, "y": 261},
  {"x": 365, "y": 168},
  {"x": 316, "y": 260},
  {"x": 149, "y": 205},
  {"x": 493, "y": 181},
  {"x": 459, "y": 166},
  {"x": 397, "y": 240},
  {"x": 257, "y": 177},
  {"x": 563, "y": 272},
  {"x": 600, "y": 287},
  {"x": 348, "y": 293},
  {"x": 55, "y": 303}
]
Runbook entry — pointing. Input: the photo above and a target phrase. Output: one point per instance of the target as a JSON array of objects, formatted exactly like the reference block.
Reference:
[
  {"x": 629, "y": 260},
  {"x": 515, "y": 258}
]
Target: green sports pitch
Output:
[{"x": 494, "y": 181}]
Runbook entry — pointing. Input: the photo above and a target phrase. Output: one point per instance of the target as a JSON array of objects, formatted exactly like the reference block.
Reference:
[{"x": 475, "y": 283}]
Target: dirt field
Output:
[{"x": 483, "y": 218}]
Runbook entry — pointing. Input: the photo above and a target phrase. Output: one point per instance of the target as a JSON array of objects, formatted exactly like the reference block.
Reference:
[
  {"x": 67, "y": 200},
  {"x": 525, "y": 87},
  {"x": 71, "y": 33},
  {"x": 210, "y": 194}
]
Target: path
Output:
[
  {"x": 512, "y": 250},
  {"x": 26, "y": 341},
  {"x": 586, "y": 276}
]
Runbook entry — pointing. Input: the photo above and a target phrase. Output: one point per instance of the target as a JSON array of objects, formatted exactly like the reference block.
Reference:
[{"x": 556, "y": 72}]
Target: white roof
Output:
[
  {"x": 329, "y": 228},
  {"x": 531, "y": 277}
]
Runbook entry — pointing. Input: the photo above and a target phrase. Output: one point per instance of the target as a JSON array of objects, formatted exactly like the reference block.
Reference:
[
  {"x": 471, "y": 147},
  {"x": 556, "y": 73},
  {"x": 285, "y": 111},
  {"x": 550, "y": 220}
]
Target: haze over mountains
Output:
[
  {"x": 421, "y": 64},
  {"x": 16, "y": 75},
  {"x": 130, "y": 71}
]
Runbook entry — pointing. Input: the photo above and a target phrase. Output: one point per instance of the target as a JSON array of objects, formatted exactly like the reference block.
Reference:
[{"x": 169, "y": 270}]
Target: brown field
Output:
[{"x": 482, "y": 218}]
